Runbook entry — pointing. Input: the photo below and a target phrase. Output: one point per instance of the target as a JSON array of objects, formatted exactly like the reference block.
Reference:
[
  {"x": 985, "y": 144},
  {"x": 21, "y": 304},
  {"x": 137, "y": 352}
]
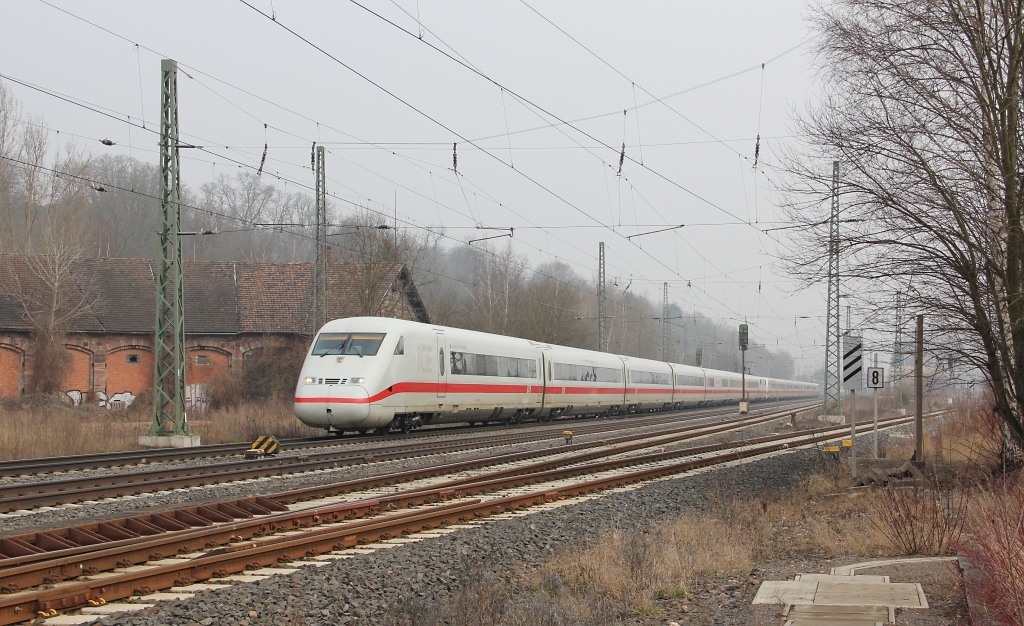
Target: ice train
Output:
[{"x": 383, "y": 374}]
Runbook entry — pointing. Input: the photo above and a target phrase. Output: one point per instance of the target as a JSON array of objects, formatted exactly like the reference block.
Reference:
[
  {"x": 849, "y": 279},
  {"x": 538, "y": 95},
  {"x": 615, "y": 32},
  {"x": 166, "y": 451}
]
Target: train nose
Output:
[{"x": 341, "y": 406}]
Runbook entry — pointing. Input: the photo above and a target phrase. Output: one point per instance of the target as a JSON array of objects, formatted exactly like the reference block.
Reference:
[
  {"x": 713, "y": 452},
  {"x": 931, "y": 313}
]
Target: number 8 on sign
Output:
[{"x": 876, "y": 378}]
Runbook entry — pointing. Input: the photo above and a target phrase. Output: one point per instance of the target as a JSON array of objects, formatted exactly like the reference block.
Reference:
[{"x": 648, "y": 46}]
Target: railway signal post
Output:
[
  {"x": 919, "y": 379},
  {"x": 744, "y": 343},
  {"x": 852, "y": 376},
  {"x": 876, "y": 381}
]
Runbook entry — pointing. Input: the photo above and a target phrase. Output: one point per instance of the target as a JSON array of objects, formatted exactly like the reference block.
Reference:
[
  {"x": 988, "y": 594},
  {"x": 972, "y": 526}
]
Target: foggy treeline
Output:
[{"x": 63, "y": 202}]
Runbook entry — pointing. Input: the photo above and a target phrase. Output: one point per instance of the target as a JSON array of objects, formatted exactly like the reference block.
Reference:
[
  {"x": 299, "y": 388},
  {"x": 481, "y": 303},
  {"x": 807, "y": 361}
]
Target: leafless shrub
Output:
[
  {"x": 921, "y": 519},
  {"x": 994, "y": 543},
  {"x": 271, "y": 372},
  {"x": 227, "y": 390},
  {"x": 973, "y": 443}
]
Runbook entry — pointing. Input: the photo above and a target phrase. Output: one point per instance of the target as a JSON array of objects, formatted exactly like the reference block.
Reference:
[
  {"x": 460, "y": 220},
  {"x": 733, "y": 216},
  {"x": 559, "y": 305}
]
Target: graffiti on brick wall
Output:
[
  {"x": 121, "y": 400},
  {"x": 197, "y": 398}
]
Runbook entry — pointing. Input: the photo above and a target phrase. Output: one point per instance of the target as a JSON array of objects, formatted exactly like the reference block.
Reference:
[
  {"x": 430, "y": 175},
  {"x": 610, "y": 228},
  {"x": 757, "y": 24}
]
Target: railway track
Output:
[
  {"x": 47, "y": 465},
  {"x": 320, "y": 522},
  {"x": 29, "y": 495}
]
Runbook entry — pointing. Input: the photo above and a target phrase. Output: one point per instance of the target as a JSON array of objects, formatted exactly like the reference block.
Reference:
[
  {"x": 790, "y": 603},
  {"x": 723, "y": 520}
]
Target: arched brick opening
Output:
[
  {"x": 205, "y": 363},
  {"x": 79, "y": 376},
  {"x": 12, "y": 371},
  {"x": 129, "y": 368}
]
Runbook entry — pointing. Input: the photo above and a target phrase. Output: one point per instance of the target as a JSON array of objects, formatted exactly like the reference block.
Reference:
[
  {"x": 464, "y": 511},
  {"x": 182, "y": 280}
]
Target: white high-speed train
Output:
[{"x": 376, "y": 373}]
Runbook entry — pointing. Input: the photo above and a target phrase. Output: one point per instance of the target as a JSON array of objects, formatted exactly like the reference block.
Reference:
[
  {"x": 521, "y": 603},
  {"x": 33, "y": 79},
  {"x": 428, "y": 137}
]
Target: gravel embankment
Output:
[{"x": 362, "y": 589}]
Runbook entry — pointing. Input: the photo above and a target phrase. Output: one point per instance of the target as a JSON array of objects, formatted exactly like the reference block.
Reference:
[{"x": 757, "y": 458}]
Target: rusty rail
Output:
[{"x": 49, "y": 556}]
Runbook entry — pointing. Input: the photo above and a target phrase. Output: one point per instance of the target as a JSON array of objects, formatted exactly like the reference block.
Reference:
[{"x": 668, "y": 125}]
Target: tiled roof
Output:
[
  {"x": 221, "y": 297},
  {"x": 274, "y": 297},
  {"x": 27, "y": 289},
  {"x": 121, "y": 292}
]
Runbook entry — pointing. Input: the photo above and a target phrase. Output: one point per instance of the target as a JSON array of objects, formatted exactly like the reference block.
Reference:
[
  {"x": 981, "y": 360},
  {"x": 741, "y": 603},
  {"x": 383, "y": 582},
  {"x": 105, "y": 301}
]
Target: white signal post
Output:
[{"x": 876, "y": 381}]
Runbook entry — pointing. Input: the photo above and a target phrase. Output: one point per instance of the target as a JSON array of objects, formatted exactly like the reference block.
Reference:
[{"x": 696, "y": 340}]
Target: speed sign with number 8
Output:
[{"x": 875, "y": 378}]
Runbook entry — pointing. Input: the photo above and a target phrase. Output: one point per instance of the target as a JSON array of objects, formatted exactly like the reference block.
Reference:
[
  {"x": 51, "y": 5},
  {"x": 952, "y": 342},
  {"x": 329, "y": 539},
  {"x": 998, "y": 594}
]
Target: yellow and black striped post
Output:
[{"x": 267, "y": 443}]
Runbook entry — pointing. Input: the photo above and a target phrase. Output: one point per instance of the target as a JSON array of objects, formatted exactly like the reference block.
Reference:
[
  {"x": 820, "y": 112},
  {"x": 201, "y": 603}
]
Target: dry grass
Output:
[
  {"x": 966, "y": 444},
  {"x": 37, "y": 426},
  {"x": 629, "y": 571}
]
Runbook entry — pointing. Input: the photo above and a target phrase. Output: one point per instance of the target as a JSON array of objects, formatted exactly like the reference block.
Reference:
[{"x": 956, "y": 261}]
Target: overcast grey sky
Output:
[{"x": 515, "y": 168}]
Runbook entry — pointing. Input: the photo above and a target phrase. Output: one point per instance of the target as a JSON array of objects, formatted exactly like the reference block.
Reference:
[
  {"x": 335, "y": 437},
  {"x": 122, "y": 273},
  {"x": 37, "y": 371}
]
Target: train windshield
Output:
[{"x": 363, "y": 344}]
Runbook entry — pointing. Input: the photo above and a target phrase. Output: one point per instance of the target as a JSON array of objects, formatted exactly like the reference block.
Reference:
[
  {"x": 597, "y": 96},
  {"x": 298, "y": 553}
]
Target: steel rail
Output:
[
  {"x": 33, "y": 567},
  {"x": 56, "y": 492},
  {"x": 253, "y": 554},
  {"x": 43, "y": 465}
]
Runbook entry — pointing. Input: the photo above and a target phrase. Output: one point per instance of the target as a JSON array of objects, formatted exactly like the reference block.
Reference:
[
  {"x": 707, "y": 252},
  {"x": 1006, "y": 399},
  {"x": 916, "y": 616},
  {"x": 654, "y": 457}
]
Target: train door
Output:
[
  {"x": 545, "y": 366},
  {"x": 442, "y": 369}
]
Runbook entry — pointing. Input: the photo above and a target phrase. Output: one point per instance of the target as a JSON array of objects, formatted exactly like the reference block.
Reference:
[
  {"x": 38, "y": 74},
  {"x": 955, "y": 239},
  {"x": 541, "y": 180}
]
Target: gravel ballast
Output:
[
  {"x": 51, "y": 517},
  {"x": 364, "y": 588}
]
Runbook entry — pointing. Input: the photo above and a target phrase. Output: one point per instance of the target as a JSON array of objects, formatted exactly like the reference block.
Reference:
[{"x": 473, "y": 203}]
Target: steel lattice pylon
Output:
[
  {"x": 897, "y": 352},
  {"x": 832, "y": 403},
  {"x": 169, "y": 416},
  {"x": 664, "y": 321},
  {"x": 320, "y": 267},
  {"x": 602, "y": 328}
]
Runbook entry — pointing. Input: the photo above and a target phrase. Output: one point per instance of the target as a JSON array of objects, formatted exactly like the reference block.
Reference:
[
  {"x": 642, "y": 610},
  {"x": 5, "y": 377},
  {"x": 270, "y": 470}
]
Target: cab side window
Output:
[{"x": 400, "y": 348}]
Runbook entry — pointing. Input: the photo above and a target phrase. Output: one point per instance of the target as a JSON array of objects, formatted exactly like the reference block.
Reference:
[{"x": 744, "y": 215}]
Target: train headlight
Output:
[
  {"x": 309, "y": 380},
  {"x": 358, "y": 380}
]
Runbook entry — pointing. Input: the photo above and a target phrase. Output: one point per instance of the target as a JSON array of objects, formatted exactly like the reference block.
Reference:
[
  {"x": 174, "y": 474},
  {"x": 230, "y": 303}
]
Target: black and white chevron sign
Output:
[{"x": 853, "y": 363}]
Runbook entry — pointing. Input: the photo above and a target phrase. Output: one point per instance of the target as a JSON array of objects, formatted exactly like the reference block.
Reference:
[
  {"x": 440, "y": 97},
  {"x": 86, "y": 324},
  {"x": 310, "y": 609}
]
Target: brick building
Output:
[{"x": 232, "y": 310}]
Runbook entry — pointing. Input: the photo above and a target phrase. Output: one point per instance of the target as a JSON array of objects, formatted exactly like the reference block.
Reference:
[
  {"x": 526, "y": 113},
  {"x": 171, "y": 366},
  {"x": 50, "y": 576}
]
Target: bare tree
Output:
[
  {"x": 922, "y": 107},
  {"x": 376, "y": 252},
  {"x": 10, "y": 115},
  {"x": 128, "y": 213},
  {"x": 551, "y": 308}
]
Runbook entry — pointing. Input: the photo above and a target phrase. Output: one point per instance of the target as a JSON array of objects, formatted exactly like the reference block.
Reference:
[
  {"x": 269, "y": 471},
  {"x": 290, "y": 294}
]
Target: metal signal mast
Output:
[
  {"x": 320, "y": 267},
  {"x": 169, "y": 416},
  {"x": 833, "y": 352},
  {"x": 898, "y": 357},
  {"x": 602, "y": 323}
]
